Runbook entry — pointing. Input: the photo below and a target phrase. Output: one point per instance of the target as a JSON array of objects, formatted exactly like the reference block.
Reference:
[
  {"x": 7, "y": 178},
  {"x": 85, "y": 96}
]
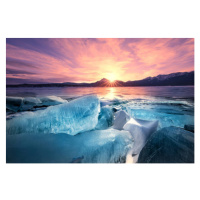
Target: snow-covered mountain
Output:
[
  {"x": 162, "y": 77},
  {"x": 179, "y": 78}
]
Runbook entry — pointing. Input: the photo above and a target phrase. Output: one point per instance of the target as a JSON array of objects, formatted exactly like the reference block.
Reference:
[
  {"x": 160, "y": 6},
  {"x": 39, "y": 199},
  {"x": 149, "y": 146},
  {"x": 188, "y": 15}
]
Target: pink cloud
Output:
[{"x": 88, "y": 60}]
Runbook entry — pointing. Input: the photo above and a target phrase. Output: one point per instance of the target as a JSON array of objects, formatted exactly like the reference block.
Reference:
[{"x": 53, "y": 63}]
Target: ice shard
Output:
[
  {"x": 169, "y": 145},
  {"x": 99, "y": 146},
  {"x": 71, "y": 118}
]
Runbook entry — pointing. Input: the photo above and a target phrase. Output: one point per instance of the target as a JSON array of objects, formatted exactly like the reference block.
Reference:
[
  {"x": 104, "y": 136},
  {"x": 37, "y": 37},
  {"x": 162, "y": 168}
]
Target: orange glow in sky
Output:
[{"x": 88, "y": 60}]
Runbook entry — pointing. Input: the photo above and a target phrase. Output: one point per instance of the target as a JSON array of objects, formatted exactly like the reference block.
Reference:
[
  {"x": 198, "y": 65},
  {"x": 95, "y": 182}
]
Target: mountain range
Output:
[{"x": 173, "y": 79}]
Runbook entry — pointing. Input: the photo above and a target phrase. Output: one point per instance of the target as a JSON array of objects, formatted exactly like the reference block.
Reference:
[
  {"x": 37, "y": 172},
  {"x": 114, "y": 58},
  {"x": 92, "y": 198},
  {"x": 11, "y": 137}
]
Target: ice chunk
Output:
[
  {"x": 121, "y": 117},
  {"x": 29, "y": 103},
  {"x": 99, "y": 146},
  {"x": 14, "y": 103},
  {"x": 52, "y": 100},
  {"x": 31, "y": 100},
  {"x": 140, "y": 130},
  {"x": 105, "y": 118},
  {"x": 71, "y": 118},
  {"x": 105, "y": 102},
  {"x": 169, "y": 145},
  {"x": 169, "y": 113}
]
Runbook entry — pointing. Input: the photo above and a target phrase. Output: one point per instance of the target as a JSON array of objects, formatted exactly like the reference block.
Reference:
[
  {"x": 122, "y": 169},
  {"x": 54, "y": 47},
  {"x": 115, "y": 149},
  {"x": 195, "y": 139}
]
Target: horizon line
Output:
[{"x": 96, "y": 80}]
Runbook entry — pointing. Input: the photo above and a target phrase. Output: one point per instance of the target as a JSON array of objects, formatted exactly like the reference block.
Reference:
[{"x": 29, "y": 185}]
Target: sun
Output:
[
  {"x": 111, "y": 80},
  {"x": 111, "y": 77}
]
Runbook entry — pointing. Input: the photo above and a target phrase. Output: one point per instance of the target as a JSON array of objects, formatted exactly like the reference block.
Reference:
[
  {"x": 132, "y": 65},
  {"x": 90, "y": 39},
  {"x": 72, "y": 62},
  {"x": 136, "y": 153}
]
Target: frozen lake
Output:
[
  {"x": 172, "y": 105},
  {"x": 45, "y": 119}
]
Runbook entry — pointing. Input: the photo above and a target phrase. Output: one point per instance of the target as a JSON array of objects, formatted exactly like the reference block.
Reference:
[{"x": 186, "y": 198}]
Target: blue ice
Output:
[
  {"x": 99, "y": 146},
  {"x": 169, "y": 113},
  {"x": 105, "y": 118},
  {"x": 71, "y": 118},
  {"x": 16, "y": 104}
]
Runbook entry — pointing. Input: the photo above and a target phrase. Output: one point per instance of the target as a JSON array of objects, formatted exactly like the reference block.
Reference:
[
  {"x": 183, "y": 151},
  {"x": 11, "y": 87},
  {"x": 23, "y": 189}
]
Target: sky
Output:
[{"x": 57, "y": 60}]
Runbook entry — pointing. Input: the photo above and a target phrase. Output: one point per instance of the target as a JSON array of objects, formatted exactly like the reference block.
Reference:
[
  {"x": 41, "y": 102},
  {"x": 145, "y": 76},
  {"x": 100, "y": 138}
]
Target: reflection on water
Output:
[
  {"x": 110, "y": 94},
  {"x": 107, "y": 92}
]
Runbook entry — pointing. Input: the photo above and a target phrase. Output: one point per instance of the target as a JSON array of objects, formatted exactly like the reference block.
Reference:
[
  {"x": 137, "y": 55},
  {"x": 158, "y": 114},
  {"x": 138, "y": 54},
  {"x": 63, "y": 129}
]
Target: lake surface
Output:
[{"x": 174, "y": 92}]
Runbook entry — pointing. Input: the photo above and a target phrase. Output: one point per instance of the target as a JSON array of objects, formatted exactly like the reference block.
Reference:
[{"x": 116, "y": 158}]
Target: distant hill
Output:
[{"x": 174, "y": 79}]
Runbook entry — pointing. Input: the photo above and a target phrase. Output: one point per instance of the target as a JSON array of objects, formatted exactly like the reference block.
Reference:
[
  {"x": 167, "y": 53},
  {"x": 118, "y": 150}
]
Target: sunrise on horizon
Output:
[{"x": 57, "y": 60}]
